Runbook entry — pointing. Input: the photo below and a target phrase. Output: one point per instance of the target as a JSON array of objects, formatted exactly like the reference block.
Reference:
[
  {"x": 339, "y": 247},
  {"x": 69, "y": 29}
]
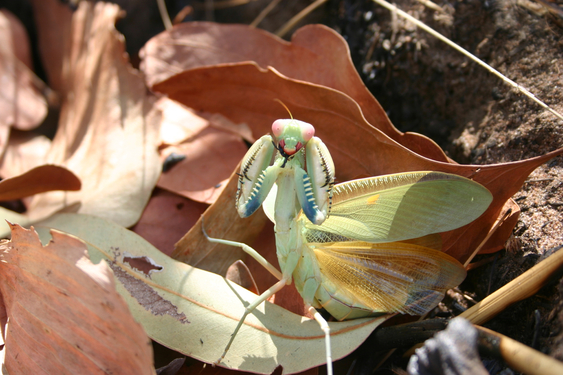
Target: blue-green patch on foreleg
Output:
[{"x": 304, "y": 189}]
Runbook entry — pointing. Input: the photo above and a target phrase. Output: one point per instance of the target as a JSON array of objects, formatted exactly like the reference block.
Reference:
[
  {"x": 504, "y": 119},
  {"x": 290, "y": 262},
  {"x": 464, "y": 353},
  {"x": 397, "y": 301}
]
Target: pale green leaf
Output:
[{"x": 195, "y": 312}]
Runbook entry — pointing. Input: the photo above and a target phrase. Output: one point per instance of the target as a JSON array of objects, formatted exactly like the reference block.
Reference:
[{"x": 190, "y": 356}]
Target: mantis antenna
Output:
[{"x": 287, "y": 109}]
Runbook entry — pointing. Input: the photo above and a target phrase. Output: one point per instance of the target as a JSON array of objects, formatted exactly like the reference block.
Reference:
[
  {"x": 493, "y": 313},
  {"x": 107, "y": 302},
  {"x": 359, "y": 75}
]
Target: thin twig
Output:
[
  {"x": 553, "y": 8},
  {"x": 436, "y": 34},
  {"x": 182, "y": 14},
  {"x": 220, "y": 4},
  {"x": 498, "y": 222},
  {"x": 431, "y": 5},
  {"x": 298, "y": 17},
  {"x": 164, "y": 14},
  {"x": 264, "y": 13}
]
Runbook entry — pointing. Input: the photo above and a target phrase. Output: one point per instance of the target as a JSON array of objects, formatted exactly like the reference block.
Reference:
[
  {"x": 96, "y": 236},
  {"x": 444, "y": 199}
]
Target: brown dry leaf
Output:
[
  {"x": 108, "y": 129},
  {"x": 221, "y": 122},
  {"x": 239, "y": 273},
  {"x": 179, "y": 123},
  {"x": 245, "y": 92},
  {"x": 221, "y": 221},
  {"x": 38, "y": 180},
  {"x": 508, "y": 218},
  {"x": 316, "y": 54},
  {"x": 65, "y": 316},
  {"x": 53, "y": 21},
  {"x": 24, "y": 152},
  {"x": 210, "y": 158},
  {"x": 14, "y": 38},
  {"x": 166, "y": 218},
  {"x": 210, "y": 153},
  {"x": 21, "y": 104}
]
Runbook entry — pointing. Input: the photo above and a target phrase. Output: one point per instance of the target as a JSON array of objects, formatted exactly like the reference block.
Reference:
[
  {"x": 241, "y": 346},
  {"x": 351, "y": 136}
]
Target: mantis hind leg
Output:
[
  {"x": 326, "y": 329},
  {"x": 264, "y": 296}
]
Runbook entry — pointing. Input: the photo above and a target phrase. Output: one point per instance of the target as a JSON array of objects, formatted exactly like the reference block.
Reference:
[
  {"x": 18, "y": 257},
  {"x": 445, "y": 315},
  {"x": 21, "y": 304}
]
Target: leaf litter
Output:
[
  {"x": 22, "y": 105},
  {"x": 184, "y": 133},
  {"x": 316, "y": 80},
  {"x": 105, "y": 91},
  {"x": 65, "y": 316}
]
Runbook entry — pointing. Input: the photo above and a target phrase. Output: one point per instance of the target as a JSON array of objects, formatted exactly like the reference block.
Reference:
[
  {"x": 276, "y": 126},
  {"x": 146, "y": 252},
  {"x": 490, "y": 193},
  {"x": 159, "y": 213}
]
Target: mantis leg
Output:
[
  {"x": 306, "y": 197},
  {"x": 320, "y": 169},
  {"x": 314, "y": 187},
  {"x": 264, "y": 296},
  {"x": 247, "y": 249},
  {"x": 326, "y": 329},
  {"x": 256, "y": 177}
]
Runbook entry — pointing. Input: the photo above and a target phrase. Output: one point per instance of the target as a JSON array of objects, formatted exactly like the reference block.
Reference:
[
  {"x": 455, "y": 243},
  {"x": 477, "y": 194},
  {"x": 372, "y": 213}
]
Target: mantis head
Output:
[{"x": 292, "y": 135}]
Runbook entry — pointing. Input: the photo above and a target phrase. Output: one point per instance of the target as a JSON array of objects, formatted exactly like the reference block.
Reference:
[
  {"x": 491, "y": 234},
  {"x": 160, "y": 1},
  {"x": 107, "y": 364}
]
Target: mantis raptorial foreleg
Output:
[
  {"x": 296, "y": 148},
  {"x": 256, "y": 176}
]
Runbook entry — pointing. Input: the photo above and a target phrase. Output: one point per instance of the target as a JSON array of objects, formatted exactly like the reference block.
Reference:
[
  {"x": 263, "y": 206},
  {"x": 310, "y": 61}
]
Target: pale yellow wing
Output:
[{"x": 389, "y": 277}]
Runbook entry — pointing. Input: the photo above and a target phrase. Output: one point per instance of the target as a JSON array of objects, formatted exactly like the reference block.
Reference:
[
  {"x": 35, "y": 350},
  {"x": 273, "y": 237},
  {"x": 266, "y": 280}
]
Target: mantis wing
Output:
[
  {"x": 388, "y": 277},
  {"x": 402, "y": 206}
]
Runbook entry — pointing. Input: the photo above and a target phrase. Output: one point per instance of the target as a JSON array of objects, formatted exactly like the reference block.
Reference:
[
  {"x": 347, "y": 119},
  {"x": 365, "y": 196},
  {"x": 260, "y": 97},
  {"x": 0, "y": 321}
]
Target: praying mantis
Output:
[{"x": 363, "y": 247}]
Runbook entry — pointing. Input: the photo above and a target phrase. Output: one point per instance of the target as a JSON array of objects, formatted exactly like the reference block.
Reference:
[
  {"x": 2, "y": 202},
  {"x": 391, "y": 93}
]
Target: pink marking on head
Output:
[
  {"x": 278, "y": 126},
  {"x": 291, "y": 151},
  {"x": 307, "y": 132}
]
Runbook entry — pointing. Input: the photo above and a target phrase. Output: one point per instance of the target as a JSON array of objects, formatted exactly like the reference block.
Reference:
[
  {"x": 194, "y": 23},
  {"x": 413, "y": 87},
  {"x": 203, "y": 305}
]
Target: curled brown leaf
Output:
[{"x": 38, "y": 180}]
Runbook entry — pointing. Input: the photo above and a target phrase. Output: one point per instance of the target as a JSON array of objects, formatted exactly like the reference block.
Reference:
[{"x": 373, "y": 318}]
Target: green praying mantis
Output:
[{"x": 359, "y": 248}]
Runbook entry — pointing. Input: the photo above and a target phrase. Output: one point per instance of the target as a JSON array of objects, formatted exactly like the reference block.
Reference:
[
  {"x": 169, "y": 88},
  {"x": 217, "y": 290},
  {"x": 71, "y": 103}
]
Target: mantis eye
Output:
[
  {"x": 278, "y": 126},
  {"x": 307, "y": 131}
]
